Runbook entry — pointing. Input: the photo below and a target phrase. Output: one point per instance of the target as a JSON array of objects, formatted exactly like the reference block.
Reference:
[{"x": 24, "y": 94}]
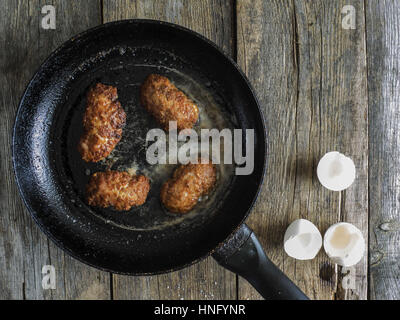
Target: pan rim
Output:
[{"x": 66, "y": 44}]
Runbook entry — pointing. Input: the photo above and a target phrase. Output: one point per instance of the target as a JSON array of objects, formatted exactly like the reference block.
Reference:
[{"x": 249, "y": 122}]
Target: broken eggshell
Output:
[
  {"x": 344, "y": 244},
  {"x": 335, "y": 171},
  {"x": 302, "y": 240}
]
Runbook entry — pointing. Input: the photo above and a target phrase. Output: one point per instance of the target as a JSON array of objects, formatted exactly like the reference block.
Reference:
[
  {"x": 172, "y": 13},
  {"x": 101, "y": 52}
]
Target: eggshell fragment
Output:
[
  {"x": 344, "y": 244},
  {"x": 302, "y": 240},
  {"x": 335, "y": 171}
]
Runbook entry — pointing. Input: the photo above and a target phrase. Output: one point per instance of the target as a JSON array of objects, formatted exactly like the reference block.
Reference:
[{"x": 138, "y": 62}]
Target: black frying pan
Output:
[{"x": 146, "y": 240}]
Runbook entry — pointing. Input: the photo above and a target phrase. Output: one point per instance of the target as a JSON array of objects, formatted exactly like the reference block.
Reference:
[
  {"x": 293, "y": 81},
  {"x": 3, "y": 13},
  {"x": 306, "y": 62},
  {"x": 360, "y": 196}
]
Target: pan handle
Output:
[{"x": 244, "y": 255}]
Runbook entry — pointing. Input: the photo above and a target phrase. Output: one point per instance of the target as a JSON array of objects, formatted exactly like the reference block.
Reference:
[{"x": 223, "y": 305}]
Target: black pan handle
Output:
[{"x": 244, "y": 255}]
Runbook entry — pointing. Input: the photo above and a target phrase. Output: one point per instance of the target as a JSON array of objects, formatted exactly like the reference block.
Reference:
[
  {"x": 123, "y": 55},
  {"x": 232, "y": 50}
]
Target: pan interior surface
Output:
[
  {"x": 127, "y": 73},
  {"x": 52, "y": 176}
]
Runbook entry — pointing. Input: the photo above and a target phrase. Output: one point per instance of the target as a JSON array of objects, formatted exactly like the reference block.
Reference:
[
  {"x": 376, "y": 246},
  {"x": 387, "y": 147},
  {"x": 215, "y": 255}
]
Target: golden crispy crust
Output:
[
  {"x": 117, "y": 189},
  {"x": 167, "y": 103},
  {"x": 189, "y": 182},
  {"x": 103, "y": 122}
]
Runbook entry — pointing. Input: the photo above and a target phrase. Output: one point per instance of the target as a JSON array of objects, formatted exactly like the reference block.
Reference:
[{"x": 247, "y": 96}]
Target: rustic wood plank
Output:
[
  {"x": 23, "y": 247},
  {"x": 310, "y": 77},
  {"x": 205, "y": 280},
  {"x": 383, "y": 48}
]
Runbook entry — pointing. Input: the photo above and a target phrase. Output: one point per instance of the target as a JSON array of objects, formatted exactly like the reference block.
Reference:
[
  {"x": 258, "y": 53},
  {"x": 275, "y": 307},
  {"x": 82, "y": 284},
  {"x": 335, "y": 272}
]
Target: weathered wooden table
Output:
[{"x": 323, "y": 86}]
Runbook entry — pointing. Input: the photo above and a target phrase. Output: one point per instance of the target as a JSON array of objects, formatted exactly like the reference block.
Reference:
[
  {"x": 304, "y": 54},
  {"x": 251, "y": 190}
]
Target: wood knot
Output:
[
  {"x": 327, "y": 272},
  {"x": 389, "y": 226},
  {"x": 375, "y": 257}
]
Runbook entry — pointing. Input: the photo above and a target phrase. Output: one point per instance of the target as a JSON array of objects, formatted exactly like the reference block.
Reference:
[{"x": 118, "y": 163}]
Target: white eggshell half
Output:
[
  {"x": 344, "y": 244},
  {"x": 335, "y": 171},
  {"x": 302, "y": 240}
]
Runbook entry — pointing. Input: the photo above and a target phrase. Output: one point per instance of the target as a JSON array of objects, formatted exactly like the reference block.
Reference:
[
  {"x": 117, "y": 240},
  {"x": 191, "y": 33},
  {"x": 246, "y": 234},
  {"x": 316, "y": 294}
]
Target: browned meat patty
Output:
[
  {"x": 167, "y": 103},
  {"x": 117, "y": 189},
  {"x": 189, "y": 182},
  {"x": 103, "y": 122}
]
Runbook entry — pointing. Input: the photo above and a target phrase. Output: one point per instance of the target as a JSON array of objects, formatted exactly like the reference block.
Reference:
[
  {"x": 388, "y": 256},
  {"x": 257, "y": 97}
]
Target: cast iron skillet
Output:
[{"x": 147, "y": 240}]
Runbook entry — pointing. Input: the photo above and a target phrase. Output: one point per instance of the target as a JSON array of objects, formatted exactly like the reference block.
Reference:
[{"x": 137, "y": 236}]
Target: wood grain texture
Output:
[
  {"x": 310, "y": 77},
  {"x": 383, "y": 47},
  {"x": 213, "y": 19},
  {"x": 23, "y": 247}
]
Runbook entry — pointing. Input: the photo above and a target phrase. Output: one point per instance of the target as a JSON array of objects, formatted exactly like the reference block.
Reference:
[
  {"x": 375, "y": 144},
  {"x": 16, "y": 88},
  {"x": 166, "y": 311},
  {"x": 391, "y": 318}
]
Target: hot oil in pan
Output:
[{"x": 130, "y": 153}]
